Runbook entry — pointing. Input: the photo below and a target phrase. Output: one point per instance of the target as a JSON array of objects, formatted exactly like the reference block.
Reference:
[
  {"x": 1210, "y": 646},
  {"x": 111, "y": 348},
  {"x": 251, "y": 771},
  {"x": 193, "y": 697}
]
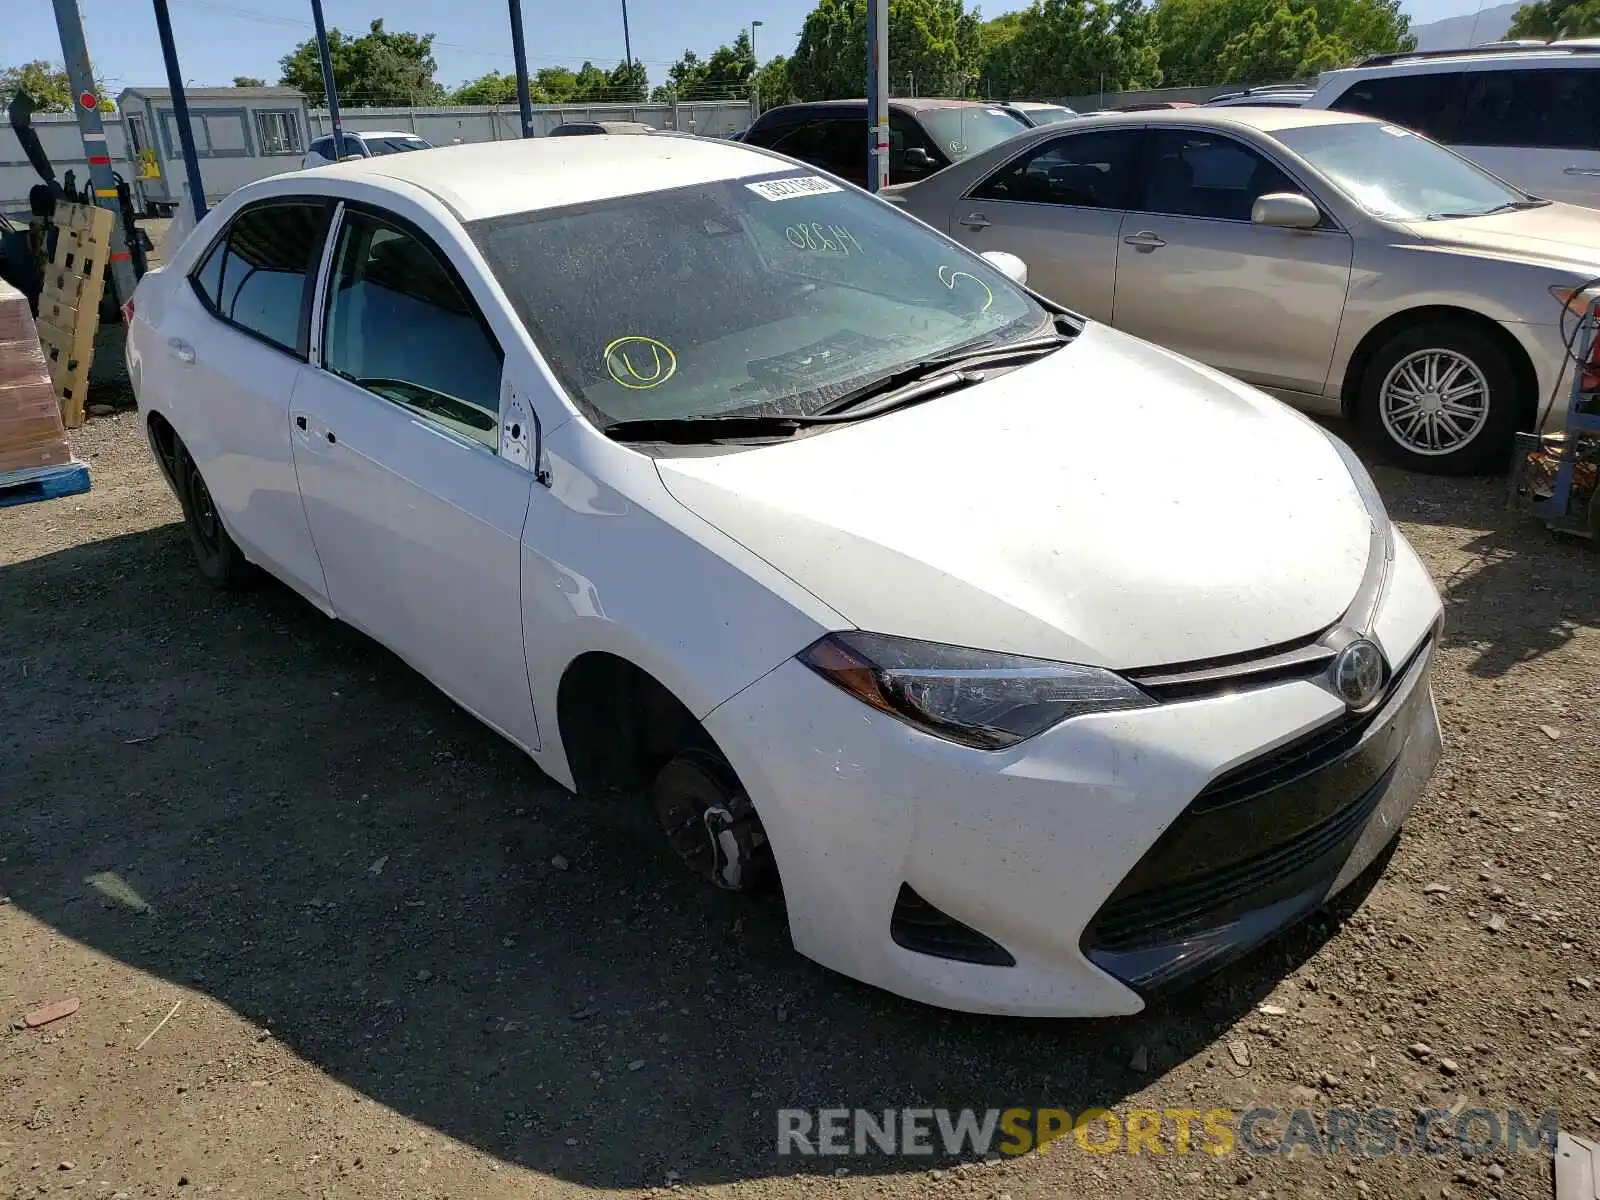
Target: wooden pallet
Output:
[
  {"x": 69, "y": 309},
  {"x": 43, "y": 483}
]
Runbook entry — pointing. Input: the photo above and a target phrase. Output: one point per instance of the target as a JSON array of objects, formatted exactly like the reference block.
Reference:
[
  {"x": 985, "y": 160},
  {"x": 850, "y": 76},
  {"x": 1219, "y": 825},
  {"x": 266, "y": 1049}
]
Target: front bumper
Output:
[{"x": 1029, "y": 846}]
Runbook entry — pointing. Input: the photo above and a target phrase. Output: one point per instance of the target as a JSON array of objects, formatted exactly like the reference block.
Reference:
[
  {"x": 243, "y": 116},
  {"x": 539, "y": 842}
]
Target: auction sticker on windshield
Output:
[{"x": 788, "y": 189}]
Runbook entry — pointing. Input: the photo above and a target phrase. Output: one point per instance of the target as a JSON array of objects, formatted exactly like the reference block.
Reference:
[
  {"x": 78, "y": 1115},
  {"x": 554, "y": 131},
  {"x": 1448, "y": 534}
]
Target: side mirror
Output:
[
  {"x": 917, "y": 157},
  {"x": 1009, "y": 265},
  {"x": 1285, "y": 210}
]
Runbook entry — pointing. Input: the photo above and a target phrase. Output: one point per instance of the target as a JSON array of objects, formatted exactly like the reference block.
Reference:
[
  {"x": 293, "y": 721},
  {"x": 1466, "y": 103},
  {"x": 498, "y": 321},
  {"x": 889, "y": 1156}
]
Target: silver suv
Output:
[{"x": 1528, "y": 113}]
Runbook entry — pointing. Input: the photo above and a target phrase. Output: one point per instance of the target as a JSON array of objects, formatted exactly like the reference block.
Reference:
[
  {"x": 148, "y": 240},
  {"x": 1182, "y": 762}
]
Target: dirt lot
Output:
[{"x": 390, "y": 989}]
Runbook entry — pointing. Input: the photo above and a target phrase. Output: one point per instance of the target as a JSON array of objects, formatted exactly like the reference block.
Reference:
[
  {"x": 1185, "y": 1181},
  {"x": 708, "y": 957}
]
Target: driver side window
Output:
[{"x": 399, "y": 324}]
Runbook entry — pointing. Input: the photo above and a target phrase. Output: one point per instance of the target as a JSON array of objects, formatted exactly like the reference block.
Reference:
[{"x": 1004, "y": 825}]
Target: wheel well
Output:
[
  {"x": 1527, "y": 379},
  {"x": 619, "y": 724},
  {"x": 165, "y": 442}
]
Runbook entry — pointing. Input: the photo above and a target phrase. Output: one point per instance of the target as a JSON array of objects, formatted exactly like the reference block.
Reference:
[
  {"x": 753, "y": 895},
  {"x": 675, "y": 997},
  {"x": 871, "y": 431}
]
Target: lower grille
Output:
[
  {"x": 919, "y": 926},
  {"x": 1256, "y": 848}
]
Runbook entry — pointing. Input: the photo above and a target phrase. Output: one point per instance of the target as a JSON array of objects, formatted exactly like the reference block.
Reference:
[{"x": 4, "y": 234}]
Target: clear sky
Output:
[{"x": 218, "y": 39}]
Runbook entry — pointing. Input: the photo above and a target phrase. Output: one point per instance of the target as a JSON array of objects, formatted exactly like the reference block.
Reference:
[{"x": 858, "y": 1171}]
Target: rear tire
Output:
[
  {"x": 219, "y": 558},
  {"x": 1441, "y": 398}
]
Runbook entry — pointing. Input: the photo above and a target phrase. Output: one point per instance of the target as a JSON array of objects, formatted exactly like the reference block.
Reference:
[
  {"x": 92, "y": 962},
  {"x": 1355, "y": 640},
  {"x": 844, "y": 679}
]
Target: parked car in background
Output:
[
  {"x": 1272, "y": 96},
  {"x": 924, "y": 135},
  {"x": 1344, "y": 264},
  {"x": 362, "y": 143},
  {"x": 1530, "y": 114},
  {"x": 1149, "y": 106},
  {"x": 1034, "y": 112},
  {"x": 578, "y": 128},
  {"x": 644, "y": 454}
]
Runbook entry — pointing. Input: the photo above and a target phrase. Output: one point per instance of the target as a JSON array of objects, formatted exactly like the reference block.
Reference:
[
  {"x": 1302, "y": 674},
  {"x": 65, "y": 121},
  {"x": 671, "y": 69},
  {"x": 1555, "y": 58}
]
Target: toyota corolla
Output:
[{"x": 1043, "y": 669}]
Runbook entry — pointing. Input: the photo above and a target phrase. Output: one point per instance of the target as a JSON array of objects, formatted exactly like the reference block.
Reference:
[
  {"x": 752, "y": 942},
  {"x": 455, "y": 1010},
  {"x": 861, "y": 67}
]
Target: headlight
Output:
[{"x": 974, "y": 697}]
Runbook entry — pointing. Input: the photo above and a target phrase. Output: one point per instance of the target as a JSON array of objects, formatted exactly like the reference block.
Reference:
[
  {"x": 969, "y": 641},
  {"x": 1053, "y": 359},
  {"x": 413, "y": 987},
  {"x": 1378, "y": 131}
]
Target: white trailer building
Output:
[{"x": 240, "y": 135}]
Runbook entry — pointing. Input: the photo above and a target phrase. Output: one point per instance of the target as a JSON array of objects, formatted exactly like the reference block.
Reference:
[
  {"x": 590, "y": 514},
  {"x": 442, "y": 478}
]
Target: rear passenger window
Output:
[
  {"x": 256, "y": 276},
  {"x": 1427, "y": 103},
  {"x": 400, "y": 325},
  {"x": 1543, "y": 109}
]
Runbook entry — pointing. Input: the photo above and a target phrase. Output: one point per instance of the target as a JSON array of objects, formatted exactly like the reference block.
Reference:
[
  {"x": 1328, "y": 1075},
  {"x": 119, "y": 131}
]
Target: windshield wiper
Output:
[
  {"x": 1508, "y": 206},
  {"x": 695, "y": 430},
  {"x": 931, "y": 368}
]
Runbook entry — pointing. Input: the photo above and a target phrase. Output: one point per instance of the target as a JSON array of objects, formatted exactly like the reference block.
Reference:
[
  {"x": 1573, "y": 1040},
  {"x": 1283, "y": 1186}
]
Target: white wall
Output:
[
  {"x": 482, "y": 123},
  {"x": 64, "y": 146}
]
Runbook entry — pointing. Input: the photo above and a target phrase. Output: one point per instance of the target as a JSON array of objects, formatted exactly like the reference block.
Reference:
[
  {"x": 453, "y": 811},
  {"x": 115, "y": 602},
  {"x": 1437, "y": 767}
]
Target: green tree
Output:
[
  {"x": 628, "y": 85},
  {"x": 772, "y": 83},
  {"x": 934, "y": 46},
  {"x": 558, "y": 83},
  {"x": 727, "y": 74},
  {"x": 47, "y": 85},
  {"x": 590, "y": 84},
  {"x": 248, "y": 81},
  {"x": 1073, "y": 47},
  {"x": 377, "y": 68},
  {"x": 1286, "y": 45},
  {"x": 1268, "y": 41},
  {"x": 1556, "y": 19}
]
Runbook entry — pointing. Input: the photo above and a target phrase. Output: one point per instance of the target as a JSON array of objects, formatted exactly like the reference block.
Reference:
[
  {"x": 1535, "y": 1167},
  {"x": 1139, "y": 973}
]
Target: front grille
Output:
[
  {"x": 919, "y": 926},
  {"x": 1270, "y": 834}
]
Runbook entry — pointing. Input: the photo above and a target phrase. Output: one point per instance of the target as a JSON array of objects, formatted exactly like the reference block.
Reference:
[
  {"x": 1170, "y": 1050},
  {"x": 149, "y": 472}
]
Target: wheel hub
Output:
[{"x": 710, "y": 822}]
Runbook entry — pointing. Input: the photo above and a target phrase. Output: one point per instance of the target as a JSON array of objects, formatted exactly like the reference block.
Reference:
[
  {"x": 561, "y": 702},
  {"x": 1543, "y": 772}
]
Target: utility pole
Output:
[
  {"x": 755, "y": 83},
  {"x": 519, "y": 54},
  {"x": 180, "y": 111},
  {"x": 86, "y": 103},
  {"x": 878, "y": 94},
  {"x": 627, "y": 44},
  {"x": 328, "y": 84}
]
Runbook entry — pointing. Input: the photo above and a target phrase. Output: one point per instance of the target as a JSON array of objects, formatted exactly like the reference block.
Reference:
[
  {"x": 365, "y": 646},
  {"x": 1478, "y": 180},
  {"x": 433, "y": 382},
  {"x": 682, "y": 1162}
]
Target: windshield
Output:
[
  {"x": 1392, "y": 172},
  {"x": 969, "y": 128},
  {"x": 394, "y": 145},
  {"x": 762, "y": 297}
]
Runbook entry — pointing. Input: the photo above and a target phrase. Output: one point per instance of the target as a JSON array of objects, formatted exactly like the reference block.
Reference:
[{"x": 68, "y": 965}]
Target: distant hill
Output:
[{"x": 1472, "y": 29}]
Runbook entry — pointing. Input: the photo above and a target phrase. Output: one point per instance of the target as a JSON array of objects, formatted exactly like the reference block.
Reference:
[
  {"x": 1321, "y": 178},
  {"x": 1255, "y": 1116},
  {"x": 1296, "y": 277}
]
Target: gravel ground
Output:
[{"x": 391, "y": 987}]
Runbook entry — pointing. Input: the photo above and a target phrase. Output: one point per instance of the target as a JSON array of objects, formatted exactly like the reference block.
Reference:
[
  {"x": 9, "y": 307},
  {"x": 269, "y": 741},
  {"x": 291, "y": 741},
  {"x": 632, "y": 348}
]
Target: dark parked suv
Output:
[{"x": 924, "y": 135}]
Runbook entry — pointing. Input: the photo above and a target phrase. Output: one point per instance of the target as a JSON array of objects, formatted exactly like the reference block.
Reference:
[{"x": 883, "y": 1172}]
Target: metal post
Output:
[
  {"x": 877, "y": 94},
  {"x": 627, "y": 44},
  {"x": 328, "y": 84},
  {"x": 755, "y": 82},
  {"x": 519, "y": 54},
  {"x": 86, "y": 103}
]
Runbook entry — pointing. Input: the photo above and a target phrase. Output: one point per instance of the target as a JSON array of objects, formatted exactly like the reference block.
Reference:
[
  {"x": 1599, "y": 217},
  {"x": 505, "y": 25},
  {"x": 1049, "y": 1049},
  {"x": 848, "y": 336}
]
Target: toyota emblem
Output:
[{"x": 1358, "y": 673}]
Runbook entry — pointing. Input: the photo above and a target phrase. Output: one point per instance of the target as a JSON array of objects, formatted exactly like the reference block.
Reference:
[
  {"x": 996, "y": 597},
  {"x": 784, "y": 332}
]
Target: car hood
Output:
[
  {"x": 1559, "y": 235},
  {"x": 1112, "y": 504}
]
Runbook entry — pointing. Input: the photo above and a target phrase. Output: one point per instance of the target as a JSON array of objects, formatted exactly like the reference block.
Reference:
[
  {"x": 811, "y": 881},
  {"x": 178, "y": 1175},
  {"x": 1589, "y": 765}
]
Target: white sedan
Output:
[{"x": 1045, "y": 669}]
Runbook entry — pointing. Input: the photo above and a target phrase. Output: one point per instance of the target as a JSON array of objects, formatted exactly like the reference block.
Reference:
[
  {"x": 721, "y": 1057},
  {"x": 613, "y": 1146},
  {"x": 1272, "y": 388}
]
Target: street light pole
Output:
[
  {"x": 755, "y": 83},
  {"x": 327, "y": 81},
  {"x": 627, "y": 43},
  {"x": 877, "y": 94},
  {"x": 519, "y": 55}
]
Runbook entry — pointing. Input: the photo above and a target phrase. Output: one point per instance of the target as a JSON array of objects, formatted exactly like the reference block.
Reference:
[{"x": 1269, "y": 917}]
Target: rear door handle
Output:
[
  {"x": 300, "y": 424},
  {"x": 1145, "y": 239},
  {"x": 976, "y": 221},
  {"x": 1587, "y": 172},
  {"x": 181, "y": 350}
]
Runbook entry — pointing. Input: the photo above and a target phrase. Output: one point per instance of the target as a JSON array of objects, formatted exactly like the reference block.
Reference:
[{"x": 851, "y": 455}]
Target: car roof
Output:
[
  {"x": 1030, "y": 104},
  {"x": 1577, "y": 52},
  {"x": 479, "y": 180},
  {"x": 1266, "y": 119},
  {"x": 917, "y": 104},
  {"x": 399, "y": 133}
]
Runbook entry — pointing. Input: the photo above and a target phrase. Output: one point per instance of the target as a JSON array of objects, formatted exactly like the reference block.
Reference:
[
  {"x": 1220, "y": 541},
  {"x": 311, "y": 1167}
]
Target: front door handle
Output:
[
  {"x": 1586, "y": 172},
  {"x": 976, "y": 221},
  {"x": 181, "y": 350},
  {"x": 1145, "y": 240}
]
